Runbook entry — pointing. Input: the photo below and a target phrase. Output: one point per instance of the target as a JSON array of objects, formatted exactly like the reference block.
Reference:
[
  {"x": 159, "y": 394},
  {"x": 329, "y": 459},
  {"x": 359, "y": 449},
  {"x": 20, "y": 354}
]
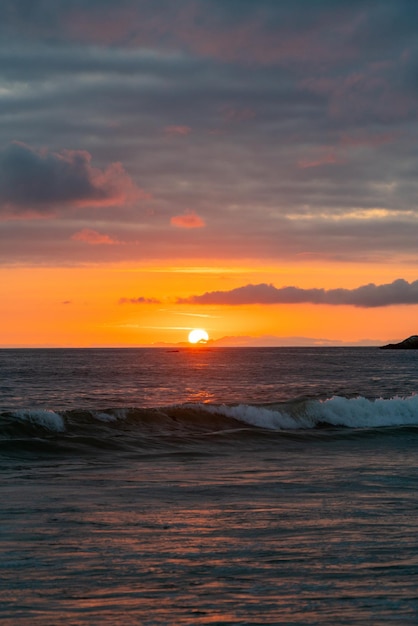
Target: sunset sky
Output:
[{"x": 244, "y": 166}]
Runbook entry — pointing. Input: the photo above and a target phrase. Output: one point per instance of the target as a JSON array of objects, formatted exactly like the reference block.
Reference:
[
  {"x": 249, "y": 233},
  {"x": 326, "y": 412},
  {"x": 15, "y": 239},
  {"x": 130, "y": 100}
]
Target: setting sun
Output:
[{"x": 198, "y": 335}]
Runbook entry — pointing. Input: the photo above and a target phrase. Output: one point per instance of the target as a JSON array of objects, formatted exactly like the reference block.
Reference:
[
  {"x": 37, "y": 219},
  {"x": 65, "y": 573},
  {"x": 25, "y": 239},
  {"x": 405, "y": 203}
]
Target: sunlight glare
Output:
[{"x": 198, "y": 335}]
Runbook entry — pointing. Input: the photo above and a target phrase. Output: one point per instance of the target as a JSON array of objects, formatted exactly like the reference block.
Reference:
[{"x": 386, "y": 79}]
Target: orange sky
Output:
[
  {"x": 82, "y": 306},
  {"x": 245, "y": 167}
]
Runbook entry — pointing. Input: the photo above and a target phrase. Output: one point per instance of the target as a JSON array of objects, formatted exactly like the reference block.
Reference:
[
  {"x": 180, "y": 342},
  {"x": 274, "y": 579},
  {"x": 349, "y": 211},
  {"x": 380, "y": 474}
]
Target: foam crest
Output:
[
  {"x": 337, "y": 411},
  {"x": 104, "y": 417},
  {"x": 363, "y": 413},
  {"x": 264, "y": 418},
  {"x": 42, "y": 417}
]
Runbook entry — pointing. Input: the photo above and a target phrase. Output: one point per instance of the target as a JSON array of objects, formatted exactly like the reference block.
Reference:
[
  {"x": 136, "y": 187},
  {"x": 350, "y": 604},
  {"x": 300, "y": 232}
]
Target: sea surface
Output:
[{"x": 209, "y": 486}]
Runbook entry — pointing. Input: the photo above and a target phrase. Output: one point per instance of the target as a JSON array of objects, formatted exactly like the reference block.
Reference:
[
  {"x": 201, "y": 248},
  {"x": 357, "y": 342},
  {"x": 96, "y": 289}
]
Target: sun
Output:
[{"x": 198, "y": 335}]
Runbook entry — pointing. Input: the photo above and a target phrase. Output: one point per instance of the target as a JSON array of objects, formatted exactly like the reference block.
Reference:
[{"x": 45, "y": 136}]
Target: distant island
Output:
[{"x": 407, "y": 344}]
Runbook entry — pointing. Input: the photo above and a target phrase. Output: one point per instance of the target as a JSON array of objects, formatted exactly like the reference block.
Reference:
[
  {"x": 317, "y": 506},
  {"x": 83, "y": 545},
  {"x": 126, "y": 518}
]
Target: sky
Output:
[{"x": 244, "y": 166}]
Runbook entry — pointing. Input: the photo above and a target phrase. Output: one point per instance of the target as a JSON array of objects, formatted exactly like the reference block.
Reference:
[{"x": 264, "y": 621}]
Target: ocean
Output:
[{"x": 209, "y": 486}]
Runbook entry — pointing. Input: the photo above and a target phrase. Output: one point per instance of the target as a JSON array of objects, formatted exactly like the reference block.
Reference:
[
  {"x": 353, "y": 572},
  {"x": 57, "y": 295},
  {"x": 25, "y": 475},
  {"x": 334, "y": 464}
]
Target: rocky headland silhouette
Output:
[{"x": 407, "y": 344}]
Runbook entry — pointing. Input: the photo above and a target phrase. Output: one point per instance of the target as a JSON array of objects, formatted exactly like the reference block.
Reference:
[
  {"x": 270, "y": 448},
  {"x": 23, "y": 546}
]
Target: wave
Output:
[
  {"x": 337, "y": 411},
  {"x": 193, "y": 420}
]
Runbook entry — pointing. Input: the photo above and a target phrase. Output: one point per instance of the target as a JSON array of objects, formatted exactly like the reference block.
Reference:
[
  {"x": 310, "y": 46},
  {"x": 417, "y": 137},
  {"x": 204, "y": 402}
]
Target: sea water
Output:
[{"x": 209, "y": 486}]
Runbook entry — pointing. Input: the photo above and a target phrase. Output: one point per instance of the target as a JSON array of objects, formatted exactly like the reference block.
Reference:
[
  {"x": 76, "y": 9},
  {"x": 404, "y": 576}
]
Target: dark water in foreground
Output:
[{"x": 224, "y": 486}]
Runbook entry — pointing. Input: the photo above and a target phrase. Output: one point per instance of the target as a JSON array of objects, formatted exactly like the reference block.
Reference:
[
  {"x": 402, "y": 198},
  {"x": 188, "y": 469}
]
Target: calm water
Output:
[{"x": 209, "y": 486}]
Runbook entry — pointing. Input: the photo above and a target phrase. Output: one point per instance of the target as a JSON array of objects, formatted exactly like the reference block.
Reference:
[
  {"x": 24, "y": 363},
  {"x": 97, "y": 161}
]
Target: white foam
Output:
[
  {"x": 363, "y": 413},
  {"x": 356, "y": 412},
  {"x": 42, "y": 417},
  {"x": 105, "y": 417}
]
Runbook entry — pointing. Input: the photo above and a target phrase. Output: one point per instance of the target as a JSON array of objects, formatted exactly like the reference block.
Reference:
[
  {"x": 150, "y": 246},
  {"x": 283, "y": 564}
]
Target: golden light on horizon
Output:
[{"x": 198, "y": 335}]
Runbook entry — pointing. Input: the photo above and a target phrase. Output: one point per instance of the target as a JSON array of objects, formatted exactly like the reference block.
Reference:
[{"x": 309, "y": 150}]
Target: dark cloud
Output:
[
  {"x": 288, "y": 128},
  {"x": 39, "y": 181},
  {"x": 263, "y": 32},
  {"x": 367, "y": 296},
  {"x": 139, "y": 300}
]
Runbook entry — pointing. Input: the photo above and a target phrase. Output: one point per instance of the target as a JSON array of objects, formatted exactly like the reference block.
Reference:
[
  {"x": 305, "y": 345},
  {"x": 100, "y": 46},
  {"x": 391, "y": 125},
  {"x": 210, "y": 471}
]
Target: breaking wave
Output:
[
  {"x": 334, "y": 412},
  {"x": 174, "y": 427}
]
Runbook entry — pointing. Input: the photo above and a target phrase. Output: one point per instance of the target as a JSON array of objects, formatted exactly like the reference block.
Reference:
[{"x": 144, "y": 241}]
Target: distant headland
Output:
[{"x": 407, "y": 344}]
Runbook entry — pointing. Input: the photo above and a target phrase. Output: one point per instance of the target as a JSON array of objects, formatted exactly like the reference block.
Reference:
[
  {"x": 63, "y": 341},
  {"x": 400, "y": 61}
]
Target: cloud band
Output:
[{"x": 367, "y": 296}]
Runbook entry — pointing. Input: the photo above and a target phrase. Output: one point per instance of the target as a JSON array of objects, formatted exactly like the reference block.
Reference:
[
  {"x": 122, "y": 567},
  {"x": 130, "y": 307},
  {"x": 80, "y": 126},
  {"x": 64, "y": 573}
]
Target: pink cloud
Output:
[
  {"x": 327, "y": 156},
  {"x": 93, "y": 238},
  {"x": 104, "y": 26},
  {"x": 362, "y": 94},
  {"x": 368, "y": 140},
  {"x": 177, "y": 131},
  {"x": 189, "y": 219},
  {"x": 114, "y": 186}
]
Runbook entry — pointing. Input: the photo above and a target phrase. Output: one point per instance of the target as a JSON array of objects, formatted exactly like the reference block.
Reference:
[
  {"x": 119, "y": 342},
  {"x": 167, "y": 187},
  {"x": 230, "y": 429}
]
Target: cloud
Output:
[
  {"x": 368, "y": 296},
  {"x": 275, "y": 341},
  {"x": 41, "y": 181},
  {"x": 189, "y": 219},
  {"x": 220, "y": 106},
  {"x": 232, "y": 114},
  {"x": 326, "y": 156},
  {"x": 246, "y": 31},
  {"x": 177, "y": 131},
  {"x": 368, "y": 140},
  {"x": 92, "y": 237},
  {"x": 139, "y": 300}
]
